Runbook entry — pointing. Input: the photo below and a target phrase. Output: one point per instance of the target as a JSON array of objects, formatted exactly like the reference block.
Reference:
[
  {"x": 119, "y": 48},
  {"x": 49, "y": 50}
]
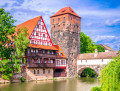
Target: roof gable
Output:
[{"x": 30, "y": 25}]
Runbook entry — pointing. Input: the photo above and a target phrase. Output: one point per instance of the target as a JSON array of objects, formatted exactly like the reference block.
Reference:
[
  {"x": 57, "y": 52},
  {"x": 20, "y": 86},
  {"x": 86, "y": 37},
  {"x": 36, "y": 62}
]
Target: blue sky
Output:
[{"x": 100, "y": 18}]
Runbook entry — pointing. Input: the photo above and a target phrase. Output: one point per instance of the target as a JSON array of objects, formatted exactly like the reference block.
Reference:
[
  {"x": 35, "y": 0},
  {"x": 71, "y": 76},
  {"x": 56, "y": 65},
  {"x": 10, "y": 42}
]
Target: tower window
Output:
[
  {"x": 64, "y": 18},
  {"x": 58, "y": 19},
  {"x": 71, "y": 18},
  {"x": 53, "y": 20}
]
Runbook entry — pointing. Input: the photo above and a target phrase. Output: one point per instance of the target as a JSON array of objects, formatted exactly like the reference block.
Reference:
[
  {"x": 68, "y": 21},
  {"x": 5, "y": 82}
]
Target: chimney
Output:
[{"x": 96, "y": 52}]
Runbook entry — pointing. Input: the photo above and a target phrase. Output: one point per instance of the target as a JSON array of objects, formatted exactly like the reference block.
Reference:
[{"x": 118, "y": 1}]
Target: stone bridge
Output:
[{"x": 96, "y": 68}]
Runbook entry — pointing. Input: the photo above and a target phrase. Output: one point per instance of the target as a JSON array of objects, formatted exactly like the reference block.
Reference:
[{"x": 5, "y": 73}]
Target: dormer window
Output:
[{"x": 63, "y": 11}]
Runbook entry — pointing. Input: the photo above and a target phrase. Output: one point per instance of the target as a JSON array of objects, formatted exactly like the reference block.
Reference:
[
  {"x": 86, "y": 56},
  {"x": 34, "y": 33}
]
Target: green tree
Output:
[
  {"x": 7, "y": 29},
  {"x": 87, "y": 45},
  {"x": 11, "y": 55},
  {"x": 100, "y": 48}
]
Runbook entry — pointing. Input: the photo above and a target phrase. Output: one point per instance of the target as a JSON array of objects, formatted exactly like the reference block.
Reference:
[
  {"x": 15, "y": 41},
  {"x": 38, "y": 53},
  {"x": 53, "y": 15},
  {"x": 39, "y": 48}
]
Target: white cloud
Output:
[
  {"x": 9, "y": 4},
  {"x": 104, "y": 38},
  {"x": 112, "y": 22}
]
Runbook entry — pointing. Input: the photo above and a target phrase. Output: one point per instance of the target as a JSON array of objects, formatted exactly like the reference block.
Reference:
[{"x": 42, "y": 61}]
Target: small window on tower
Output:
[
  {"x": 71, "y": 18},
  {"x": 34, "y": 72},
  {"x": 58, "y": 19},
  {"x": 53, "y": 20},
  {"x": 64, "y": 18}
]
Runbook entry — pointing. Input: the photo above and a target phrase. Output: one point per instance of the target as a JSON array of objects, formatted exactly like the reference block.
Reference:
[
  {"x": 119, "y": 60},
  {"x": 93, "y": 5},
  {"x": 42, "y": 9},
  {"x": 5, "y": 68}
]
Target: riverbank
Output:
[{"x": 2, "y": 81}]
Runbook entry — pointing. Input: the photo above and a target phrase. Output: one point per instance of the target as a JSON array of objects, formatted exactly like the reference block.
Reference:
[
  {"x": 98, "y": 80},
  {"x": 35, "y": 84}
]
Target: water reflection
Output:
[{"x": 81, "y": 84}]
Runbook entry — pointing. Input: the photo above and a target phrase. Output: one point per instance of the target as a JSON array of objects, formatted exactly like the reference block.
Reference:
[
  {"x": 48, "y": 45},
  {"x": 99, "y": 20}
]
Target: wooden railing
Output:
[
  {"x": 41, "y": 65},
  {"x": 60, "y": 74}
]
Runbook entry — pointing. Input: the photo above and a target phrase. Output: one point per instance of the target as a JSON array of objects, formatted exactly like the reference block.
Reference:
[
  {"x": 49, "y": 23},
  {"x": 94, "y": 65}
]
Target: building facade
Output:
[
  {"x": 44, "y": 60},
  {"x": 65, "y": 32}
]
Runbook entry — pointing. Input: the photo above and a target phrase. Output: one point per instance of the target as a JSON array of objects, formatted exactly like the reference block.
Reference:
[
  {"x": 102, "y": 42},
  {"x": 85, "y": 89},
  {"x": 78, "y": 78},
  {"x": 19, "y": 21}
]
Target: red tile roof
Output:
[
  {"x": 60, "y": 51},
  {"x": 66, "y": 10},
  {"x": 42, "y": 47},
  {"x": 107, "y": 47},
  {"x": 100, "y": 55},
  {"x": 30, "y": 25}
]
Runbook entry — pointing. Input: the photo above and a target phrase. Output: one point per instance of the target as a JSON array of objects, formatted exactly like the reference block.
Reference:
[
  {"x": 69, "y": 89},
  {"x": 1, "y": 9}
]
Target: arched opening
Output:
[{"x": 87, "y": 72}]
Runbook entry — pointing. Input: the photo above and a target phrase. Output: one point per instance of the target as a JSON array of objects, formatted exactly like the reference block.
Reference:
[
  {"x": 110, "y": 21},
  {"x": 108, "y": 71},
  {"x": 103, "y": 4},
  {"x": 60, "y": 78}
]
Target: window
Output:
[
  {"x": 37, "y": 71},
  {"x": 36, "y": 50},
  {"x": 34, "y": 72},
  {"x": 38, "y": 60},
  {"x": 43, "y": 70},
  {"x": 43, "y": 35},
  {"x": 51, "y": 61},
  {"x": 53, "y": 20},
  {"x": 48, "y": 43},
  {"x": 71, "y": 18},
  {"x": 32, "y": 50},
  {"x": 37, "y": 34},
  {"x": 48, "y": 71},
  {"x": 58, "y": 19},
  {"x": 62, "y": 62},
  {"x": 64, "y": 18},
  {"x": 38, "y": 42},
  {"x": 37, "y": 26},
  {"x": 32, "y": 41},
  {"x": 43, "y": 27}
]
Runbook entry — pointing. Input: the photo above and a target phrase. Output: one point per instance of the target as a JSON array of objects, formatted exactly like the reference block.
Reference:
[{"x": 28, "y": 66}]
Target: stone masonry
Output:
[{"x": 65, "y": 32}]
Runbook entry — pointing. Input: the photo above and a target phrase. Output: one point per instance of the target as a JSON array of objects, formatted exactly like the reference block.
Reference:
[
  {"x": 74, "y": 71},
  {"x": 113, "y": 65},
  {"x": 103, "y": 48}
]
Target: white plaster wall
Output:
[{"x": 93, "y": 62}]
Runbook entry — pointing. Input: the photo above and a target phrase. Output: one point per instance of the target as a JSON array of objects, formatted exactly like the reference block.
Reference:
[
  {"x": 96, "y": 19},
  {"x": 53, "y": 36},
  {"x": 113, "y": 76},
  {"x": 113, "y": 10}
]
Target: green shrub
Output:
[
  {"x": 54, "y": 79},
  {"x": 96, "y": 89},
  {"x": 88, "y": 72},
  {"x": 22, "y": 79}
]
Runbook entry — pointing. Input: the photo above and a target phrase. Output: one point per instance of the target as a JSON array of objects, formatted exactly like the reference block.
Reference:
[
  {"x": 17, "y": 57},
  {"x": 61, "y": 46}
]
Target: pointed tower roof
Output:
[{"x": 66, "y": 10}]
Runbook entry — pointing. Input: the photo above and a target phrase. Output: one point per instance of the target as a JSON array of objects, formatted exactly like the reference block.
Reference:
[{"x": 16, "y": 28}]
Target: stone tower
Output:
[{"x": 65, "y": 32}]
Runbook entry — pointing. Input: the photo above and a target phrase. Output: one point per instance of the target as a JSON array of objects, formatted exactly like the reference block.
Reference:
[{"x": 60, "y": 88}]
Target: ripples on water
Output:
[{"x": 81, "y": 84}]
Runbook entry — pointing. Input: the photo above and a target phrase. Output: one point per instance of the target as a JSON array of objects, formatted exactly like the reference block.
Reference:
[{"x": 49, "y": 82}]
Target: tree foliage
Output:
[
  {"x": 7, "y": 29},
  {"x": 87, "y": 45},
  {"x": 88, "y": 72},
  {"x": 11, "y": 54},
  {"x": 110, "y": 76}
]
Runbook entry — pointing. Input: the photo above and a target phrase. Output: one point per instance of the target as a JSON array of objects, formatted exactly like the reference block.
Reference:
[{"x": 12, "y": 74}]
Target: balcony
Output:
[
  {"x": 42, "y": 65},
  {"x": 60, "y": 74},
  {"x": 42, "y": 55}
]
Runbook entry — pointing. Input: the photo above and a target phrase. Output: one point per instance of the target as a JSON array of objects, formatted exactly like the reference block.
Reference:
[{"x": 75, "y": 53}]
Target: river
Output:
[{"x": 81, "y": 84}]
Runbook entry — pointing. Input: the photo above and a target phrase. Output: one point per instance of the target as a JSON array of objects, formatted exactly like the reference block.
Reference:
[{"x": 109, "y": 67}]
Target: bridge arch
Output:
[{"x": 81, "y": 69}]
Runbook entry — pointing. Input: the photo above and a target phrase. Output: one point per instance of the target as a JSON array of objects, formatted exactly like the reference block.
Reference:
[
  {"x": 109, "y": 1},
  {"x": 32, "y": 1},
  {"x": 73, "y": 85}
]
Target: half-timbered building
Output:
[{"x": 44, "y": 60}]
